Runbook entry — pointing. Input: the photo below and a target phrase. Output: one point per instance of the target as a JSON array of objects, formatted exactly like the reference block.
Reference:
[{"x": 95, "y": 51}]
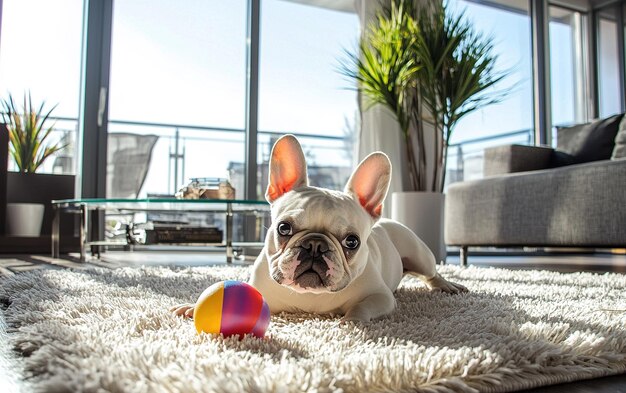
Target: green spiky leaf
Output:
[{"x": 28, "y": 133}]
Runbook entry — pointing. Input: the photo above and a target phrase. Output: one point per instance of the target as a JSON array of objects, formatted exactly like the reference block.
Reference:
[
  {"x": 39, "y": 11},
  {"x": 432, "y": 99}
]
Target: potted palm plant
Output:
[
  {"x": 29, "y": 131},
  {"x": 430, "y": 68}
]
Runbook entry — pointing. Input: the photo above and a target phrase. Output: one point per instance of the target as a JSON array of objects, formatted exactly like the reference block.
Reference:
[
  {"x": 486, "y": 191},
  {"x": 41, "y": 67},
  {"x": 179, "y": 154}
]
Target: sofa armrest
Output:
[{"x": 501, "y": 160}]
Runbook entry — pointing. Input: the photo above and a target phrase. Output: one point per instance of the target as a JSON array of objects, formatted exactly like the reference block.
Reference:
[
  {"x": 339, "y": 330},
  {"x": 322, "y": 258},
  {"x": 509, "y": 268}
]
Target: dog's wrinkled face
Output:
[{"x": 318, "y": 238}]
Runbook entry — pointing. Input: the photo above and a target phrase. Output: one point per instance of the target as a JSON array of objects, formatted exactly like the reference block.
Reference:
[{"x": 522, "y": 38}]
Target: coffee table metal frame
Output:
[{"x": 130, "y": 206}]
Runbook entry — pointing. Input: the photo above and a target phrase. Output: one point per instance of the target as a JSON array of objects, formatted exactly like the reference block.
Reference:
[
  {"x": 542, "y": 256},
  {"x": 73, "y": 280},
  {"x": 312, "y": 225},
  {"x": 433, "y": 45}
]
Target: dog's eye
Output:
[
  {"x": 351, "y": 242},
  {"x": 284, "y": 229}
]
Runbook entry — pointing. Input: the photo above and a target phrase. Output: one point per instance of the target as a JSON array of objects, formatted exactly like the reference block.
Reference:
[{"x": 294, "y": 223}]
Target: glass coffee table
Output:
[{"x": 229, "y": 208}]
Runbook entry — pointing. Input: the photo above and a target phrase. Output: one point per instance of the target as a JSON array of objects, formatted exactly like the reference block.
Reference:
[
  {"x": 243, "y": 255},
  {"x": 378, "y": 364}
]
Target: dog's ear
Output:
[
  {"x": 287, "y": 168},
  {"x": 369, "y": 183}
]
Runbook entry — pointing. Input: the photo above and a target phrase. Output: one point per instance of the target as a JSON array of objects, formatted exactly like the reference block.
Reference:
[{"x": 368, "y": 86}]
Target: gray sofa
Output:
[{"x": 571, "y": 196}]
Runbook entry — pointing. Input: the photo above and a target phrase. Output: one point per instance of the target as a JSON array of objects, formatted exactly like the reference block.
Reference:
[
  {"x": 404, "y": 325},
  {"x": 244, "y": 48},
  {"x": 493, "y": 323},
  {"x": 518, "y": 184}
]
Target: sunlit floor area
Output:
[{"x": 560, "y": 262}]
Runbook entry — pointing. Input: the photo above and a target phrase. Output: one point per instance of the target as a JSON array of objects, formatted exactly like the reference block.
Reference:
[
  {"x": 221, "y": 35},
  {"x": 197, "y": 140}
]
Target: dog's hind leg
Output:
[
  {"x": 416, "y": 256},
  {"x": 417, "y": 259}
]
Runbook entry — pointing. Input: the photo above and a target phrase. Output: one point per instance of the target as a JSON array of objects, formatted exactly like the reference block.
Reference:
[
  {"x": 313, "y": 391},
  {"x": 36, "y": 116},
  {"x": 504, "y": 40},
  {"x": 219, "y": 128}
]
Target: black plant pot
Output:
[{"x": 42, "y": 188}]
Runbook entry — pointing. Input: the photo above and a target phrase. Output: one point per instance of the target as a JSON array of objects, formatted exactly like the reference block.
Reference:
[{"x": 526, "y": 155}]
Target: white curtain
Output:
[
  {"x": 379, "y": 129},
  {"x": 380, "y": 132}
]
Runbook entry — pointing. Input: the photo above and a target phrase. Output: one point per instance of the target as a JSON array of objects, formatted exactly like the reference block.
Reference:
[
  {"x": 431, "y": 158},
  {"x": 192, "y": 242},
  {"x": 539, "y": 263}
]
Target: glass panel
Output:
[
  {"x": 185, "y": 86},
  {"x": 40, "y": 53},
  {"x": 164, "y": 203},
  {"x": 567, "y": 67},
  {"x": 302, "y": 91},
  {"x": 510, "y": 121},
  {"x": 608, "y": 68}
]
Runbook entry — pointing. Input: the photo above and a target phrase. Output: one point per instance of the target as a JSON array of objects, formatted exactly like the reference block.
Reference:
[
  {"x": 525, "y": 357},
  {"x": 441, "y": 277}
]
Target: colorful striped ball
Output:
[{"x": 231, "y": 308}]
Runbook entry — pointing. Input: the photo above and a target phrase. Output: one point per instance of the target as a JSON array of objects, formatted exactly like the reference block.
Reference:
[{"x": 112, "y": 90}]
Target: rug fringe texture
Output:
[{"x": 110, "y": 330}]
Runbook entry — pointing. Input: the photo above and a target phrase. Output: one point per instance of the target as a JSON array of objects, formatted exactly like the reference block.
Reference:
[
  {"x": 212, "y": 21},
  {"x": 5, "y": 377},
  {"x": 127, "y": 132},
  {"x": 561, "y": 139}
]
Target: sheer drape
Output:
[{"x": 379, "y": 129}]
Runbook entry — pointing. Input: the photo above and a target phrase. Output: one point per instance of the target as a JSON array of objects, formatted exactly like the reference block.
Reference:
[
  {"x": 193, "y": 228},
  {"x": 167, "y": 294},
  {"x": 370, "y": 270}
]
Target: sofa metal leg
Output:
[{"x": 463, "y": 256}]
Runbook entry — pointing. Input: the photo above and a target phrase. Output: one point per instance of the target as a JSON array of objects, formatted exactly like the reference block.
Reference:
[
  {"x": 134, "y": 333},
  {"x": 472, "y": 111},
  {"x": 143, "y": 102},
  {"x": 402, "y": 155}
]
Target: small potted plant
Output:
[{"x": 29, "y": 131}]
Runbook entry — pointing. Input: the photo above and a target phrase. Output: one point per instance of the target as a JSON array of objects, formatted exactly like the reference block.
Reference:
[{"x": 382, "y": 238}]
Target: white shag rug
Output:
[{"x": 109, "y": 330}]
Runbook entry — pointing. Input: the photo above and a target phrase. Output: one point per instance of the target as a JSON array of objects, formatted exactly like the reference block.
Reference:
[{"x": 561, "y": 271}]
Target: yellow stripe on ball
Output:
[{"x": 207, "y": 315}]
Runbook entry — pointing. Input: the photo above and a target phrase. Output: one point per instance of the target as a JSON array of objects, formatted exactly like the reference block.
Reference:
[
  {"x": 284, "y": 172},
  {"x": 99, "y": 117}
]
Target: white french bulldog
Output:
[{"x": 329, "y": 251}]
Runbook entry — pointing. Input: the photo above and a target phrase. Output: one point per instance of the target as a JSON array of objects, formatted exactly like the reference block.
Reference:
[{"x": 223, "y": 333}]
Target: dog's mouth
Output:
[
  {"x": 311, "y": 273},
  {"x": 309, "y": 279}
]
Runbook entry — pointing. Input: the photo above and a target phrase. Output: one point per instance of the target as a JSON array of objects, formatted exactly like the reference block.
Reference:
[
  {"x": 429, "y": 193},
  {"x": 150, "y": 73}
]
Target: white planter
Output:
[
  {"x": 24, "y": 219},
  {"x": 422, "y": 212}
]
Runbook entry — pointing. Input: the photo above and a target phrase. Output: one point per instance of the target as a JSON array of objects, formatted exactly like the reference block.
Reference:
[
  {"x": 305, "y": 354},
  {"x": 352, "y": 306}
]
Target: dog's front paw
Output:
[
  {"x": 352, "y": 321},
  {"x": 439, "y": 283},
  {"x": 184, "y": 310},
  {"x": 346, "y": 320},
  {"x": 356, "y": 315}
]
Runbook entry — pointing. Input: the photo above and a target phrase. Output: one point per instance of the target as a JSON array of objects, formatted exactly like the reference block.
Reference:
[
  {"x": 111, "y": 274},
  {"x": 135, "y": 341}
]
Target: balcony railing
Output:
[
  {"x": 465, "y": 159},
  {"x": 185, "y": 151}
]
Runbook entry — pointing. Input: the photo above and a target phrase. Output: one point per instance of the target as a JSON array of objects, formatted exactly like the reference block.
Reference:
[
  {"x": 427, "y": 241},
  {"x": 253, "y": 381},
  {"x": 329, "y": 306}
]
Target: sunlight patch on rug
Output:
[{"x": 110, "y": 329}]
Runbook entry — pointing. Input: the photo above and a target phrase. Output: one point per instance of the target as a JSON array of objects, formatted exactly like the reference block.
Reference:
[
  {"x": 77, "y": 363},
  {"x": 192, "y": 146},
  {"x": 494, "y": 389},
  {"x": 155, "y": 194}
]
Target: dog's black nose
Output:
[{"x": 315, "y": 247}]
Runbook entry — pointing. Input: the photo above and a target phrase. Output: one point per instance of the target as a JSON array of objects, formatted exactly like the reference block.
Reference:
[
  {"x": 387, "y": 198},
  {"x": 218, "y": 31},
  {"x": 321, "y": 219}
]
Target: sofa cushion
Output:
[
  {"x": 560, "y": 158},
  {"x": 619, "y": 151},
  {"x": 591, "y": 141},
  {"x": 501, "y": 160}
]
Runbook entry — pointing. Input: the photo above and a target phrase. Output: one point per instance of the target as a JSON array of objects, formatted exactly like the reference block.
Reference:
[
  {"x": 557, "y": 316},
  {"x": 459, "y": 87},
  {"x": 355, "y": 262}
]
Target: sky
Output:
[
  {"x": 510, "y": 35},
  {"x": 204, "y": 65},
  {"x": 186, "y": 65}
]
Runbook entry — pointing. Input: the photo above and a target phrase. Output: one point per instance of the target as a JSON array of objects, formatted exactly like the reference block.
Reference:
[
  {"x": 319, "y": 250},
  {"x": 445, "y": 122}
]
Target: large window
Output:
[
  {"x": 609, "y": 87},
  {"x": 511, "y": 120},
  {"x": 177, "y": 72},
  {"x": 567, "y": 64},
  {"x": 40, "y": 53},
  {"x": 301, "y": 90}
]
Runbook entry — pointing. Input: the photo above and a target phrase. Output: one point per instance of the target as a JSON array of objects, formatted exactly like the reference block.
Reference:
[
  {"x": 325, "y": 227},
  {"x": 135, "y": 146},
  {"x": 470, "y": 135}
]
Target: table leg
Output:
[
  {"x": 229, "y": 233},
  {"x": 258, "y": 227},
  {"x": 463, "y": 256},
  {"x": 84, "y": 231},
  {"x": 55, "y": 230}
]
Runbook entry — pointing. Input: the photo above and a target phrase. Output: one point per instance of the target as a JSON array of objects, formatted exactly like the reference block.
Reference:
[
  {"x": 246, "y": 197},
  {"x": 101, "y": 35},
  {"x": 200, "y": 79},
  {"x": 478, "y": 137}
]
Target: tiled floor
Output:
[
  {"x": 13, "y": 264},
  {"x": 10, "y": 264}
]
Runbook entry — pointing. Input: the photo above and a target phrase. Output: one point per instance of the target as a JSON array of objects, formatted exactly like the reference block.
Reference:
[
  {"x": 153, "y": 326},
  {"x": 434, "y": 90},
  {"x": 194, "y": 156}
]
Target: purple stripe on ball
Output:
[
  {"x": 241, "y": 308},
  {"x": 262, "y": 322}
]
